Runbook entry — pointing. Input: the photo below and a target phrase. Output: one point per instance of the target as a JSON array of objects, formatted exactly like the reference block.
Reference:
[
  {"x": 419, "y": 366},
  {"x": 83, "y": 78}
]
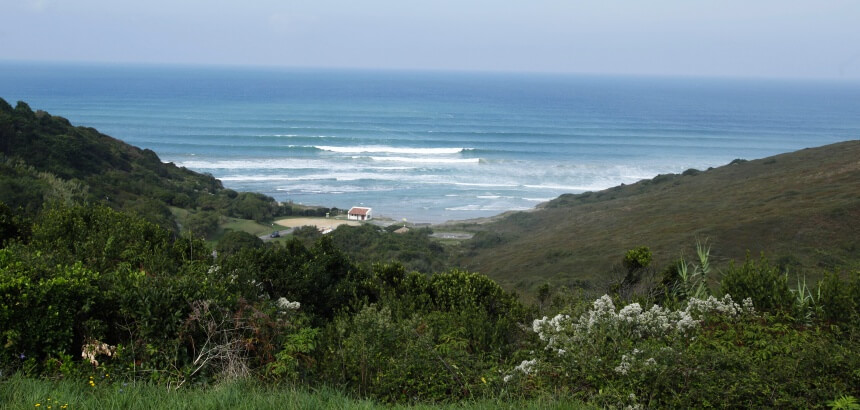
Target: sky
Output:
[{"x": 746, "y": 38}]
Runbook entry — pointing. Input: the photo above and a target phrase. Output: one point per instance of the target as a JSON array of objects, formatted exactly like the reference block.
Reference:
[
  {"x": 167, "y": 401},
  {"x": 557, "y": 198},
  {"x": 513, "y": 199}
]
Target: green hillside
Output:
[
  {"x": 802, "y": 209},
  {"x": 45, "y": 158}
]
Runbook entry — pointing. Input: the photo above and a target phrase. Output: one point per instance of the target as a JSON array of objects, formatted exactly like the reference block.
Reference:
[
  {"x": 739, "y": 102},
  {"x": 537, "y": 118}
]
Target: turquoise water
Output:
[{"x": 431, "y": 146}]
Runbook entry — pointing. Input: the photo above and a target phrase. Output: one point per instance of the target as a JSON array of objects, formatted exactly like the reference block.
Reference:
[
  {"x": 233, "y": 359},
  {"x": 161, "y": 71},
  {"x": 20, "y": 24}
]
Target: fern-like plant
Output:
[{"x": 844, "y": 402}]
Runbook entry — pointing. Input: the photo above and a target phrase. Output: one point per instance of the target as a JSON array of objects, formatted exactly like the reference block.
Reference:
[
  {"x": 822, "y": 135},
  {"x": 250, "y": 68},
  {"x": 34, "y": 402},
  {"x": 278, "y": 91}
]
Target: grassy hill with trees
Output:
[
  {"x": 44, "y": 158},
  {"x": 802, "y": 209}
]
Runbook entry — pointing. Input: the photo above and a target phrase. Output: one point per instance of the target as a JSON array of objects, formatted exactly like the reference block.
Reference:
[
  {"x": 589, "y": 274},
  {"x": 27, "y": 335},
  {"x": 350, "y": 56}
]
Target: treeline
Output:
[{"x": 87, "y": 291}]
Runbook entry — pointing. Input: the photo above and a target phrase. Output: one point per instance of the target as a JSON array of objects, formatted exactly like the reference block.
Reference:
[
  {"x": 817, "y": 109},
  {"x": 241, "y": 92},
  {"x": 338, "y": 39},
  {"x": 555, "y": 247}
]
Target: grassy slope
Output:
[
  {"x": 110, "y": 167},
  {"x": 802, "y": 209},
  {"x": 42, "y": 155}
]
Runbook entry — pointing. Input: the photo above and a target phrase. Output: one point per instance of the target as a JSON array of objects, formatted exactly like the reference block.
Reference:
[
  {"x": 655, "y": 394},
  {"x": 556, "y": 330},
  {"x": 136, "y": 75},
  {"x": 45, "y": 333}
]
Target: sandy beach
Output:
[{"x": 318, "y": 222}]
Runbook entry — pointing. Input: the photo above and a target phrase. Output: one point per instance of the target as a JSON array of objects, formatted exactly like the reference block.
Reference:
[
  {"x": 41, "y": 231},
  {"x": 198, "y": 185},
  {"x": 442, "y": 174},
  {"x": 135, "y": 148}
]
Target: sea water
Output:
[{"x": 435, "y": 146}]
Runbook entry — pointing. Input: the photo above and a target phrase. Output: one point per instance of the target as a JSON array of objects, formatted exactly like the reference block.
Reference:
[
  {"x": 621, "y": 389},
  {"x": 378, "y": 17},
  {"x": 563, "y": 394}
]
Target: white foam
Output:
[
  {"x": 326, "y": 189},
  {"x": 491, "y": 208},
  {"x": 274, "y": 164},
  {"x": 488, "y": 197},
  {"x": 538, "y": 199},
  {"x": 553, "y": 187},
  {"x": 342, "y": 175},
  {"x": 381, "y": 149},
  {"x": 395, "y": 168},
  {"x": 484, "y": 185},
  {"x": 465, "y": 208},
  {"x": 428, "y": 160},
  {"x": 256, "y": 178},
  {"x": 271, "y": 163}
]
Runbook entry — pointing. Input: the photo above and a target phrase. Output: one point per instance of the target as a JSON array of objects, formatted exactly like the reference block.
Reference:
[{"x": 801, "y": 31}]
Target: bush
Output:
[
  {"x": 202, "y": 224},
  {"x": 234, "y": 241},
  {"x": 759, "y": 281},
  {"x": 840, "y": 300},
  {"x": 44, "y": 310},
  {"x": 709, "y": 353},
  {"x": 13, "y": 226}
]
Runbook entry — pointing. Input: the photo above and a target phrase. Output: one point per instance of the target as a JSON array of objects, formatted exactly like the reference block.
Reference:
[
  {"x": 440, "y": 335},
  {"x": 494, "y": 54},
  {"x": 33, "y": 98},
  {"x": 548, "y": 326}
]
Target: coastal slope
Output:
[
  {"x": 44, "y": 158},
  {"x": 801, "y": 209}
]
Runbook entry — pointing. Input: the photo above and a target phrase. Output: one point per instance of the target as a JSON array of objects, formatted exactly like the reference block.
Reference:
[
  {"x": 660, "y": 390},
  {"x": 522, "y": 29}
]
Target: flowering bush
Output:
[{"x": 629, "y": 347}]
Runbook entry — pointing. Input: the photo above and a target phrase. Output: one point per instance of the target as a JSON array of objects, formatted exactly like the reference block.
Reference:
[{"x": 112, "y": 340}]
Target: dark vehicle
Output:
[{"x": 275, "y": 234}]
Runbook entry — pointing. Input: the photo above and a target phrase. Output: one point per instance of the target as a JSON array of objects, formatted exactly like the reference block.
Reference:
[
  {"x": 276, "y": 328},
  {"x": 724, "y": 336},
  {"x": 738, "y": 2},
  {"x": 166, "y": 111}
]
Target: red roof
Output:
[{"x": 358, "y": 211}]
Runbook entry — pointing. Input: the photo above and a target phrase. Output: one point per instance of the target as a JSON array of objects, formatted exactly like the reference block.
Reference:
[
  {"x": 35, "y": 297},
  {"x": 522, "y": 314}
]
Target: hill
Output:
[
  {"x": 801, "y": 209},
  {"x": 45, "y": 158}
]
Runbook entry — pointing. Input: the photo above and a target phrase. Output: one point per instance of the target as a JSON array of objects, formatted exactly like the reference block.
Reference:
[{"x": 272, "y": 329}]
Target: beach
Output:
[{"x": 322, "y": 223}]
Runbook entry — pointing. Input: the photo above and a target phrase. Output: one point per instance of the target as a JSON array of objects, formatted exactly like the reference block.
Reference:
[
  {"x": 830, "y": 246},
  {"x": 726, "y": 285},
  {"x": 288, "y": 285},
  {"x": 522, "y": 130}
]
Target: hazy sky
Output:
[{"x": 769, "y": 38}]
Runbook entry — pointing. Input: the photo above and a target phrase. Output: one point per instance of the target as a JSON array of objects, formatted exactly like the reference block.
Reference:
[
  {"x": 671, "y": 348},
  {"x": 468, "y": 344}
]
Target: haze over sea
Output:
[{"x": 435, "y": 146}]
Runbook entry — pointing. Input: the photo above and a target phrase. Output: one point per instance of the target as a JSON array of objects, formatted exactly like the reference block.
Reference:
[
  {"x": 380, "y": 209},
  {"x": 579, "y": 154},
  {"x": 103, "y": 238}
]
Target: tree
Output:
[
  {"x": 234, "y": 241},
  {"x": 202, "y": 224}
]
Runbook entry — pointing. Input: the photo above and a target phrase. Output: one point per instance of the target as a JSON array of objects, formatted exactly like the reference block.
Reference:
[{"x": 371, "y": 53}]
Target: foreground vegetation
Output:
[
  {"x": 105, "y": 302},
  {"x": 88, "y": 293}
]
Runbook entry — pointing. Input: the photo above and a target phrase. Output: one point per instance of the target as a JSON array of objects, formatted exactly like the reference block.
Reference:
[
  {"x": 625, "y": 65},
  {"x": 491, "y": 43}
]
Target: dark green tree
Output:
[{"x": 234, "y": 241}]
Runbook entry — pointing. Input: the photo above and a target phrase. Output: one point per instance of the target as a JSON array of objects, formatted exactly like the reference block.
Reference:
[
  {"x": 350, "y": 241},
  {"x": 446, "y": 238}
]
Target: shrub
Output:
[
  {"x": 44, "y": 309},
  {"x": 840, "y": 300},
  {"x": 759, "y": 281},
  {"x": 202, "y": 224},
  {"x": 618, "y": 357},
  {"x": 234, "y": 241}
]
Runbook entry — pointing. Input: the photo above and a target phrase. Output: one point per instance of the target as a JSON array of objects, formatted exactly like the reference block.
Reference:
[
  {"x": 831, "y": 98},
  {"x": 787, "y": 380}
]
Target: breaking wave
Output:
[{"x": 372, "y": 149}]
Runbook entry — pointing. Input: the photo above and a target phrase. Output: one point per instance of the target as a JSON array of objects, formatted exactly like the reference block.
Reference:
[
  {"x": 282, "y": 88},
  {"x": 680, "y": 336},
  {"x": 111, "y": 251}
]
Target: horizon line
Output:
[{"x": 436, "y": 70}]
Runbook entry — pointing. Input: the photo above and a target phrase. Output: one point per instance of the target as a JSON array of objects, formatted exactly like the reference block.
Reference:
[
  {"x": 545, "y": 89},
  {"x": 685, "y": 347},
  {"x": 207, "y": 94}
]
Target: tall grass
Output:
[{"x": 17, "y": 392}]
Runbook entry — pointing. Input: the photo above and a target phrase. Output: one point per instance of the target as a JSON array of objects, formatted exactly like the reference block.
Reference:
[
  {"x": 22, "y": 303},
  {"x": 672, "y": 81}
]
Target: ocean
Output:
[{"x": 435, "y": 146}]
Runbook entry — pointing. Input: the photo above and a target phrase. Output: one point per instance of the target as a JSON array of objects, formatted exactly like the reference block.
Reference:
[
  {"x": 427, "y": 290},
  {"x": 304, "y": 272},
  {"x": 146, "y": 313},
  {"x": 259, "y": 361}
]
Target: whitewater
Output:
[{"x": 435, "y": 146}]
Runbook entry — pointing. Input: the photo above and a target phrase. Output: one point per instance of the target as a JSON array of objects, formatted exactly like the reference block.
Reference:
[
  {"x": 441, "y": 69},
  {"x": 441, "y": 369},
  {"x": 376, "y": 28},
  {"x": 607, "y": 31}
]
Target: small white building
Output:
[{"x": 358, "y": 213}]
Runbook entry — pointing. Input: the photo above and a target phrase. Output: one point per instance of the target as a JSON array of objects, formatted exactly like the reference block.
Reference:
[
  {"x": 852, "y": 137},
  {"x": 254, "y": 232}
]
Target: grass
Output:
[
  {"x": 246, "y": 225},
  {"x": 18, "y": 392},
  {"x": 231, "y": 224},
  {"x": 801, "y": 209}
]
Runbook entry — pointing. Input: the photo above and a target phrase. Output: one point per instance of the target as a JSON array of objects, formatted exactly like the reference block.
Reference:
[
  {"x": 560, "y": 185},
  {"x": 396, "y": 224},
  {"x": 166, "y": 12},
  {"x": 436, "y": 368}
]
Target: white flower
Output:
[
  {"x": 93, "y": 348},
  {"x": 604, "y": 304},
  {"x": 748, "y": 305},
  {"x": 631, "y": 311},
  {"x": 625, "y": 365},
  {"x": 284, "y": 305},
  {"x": 526, "y": 366}
]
